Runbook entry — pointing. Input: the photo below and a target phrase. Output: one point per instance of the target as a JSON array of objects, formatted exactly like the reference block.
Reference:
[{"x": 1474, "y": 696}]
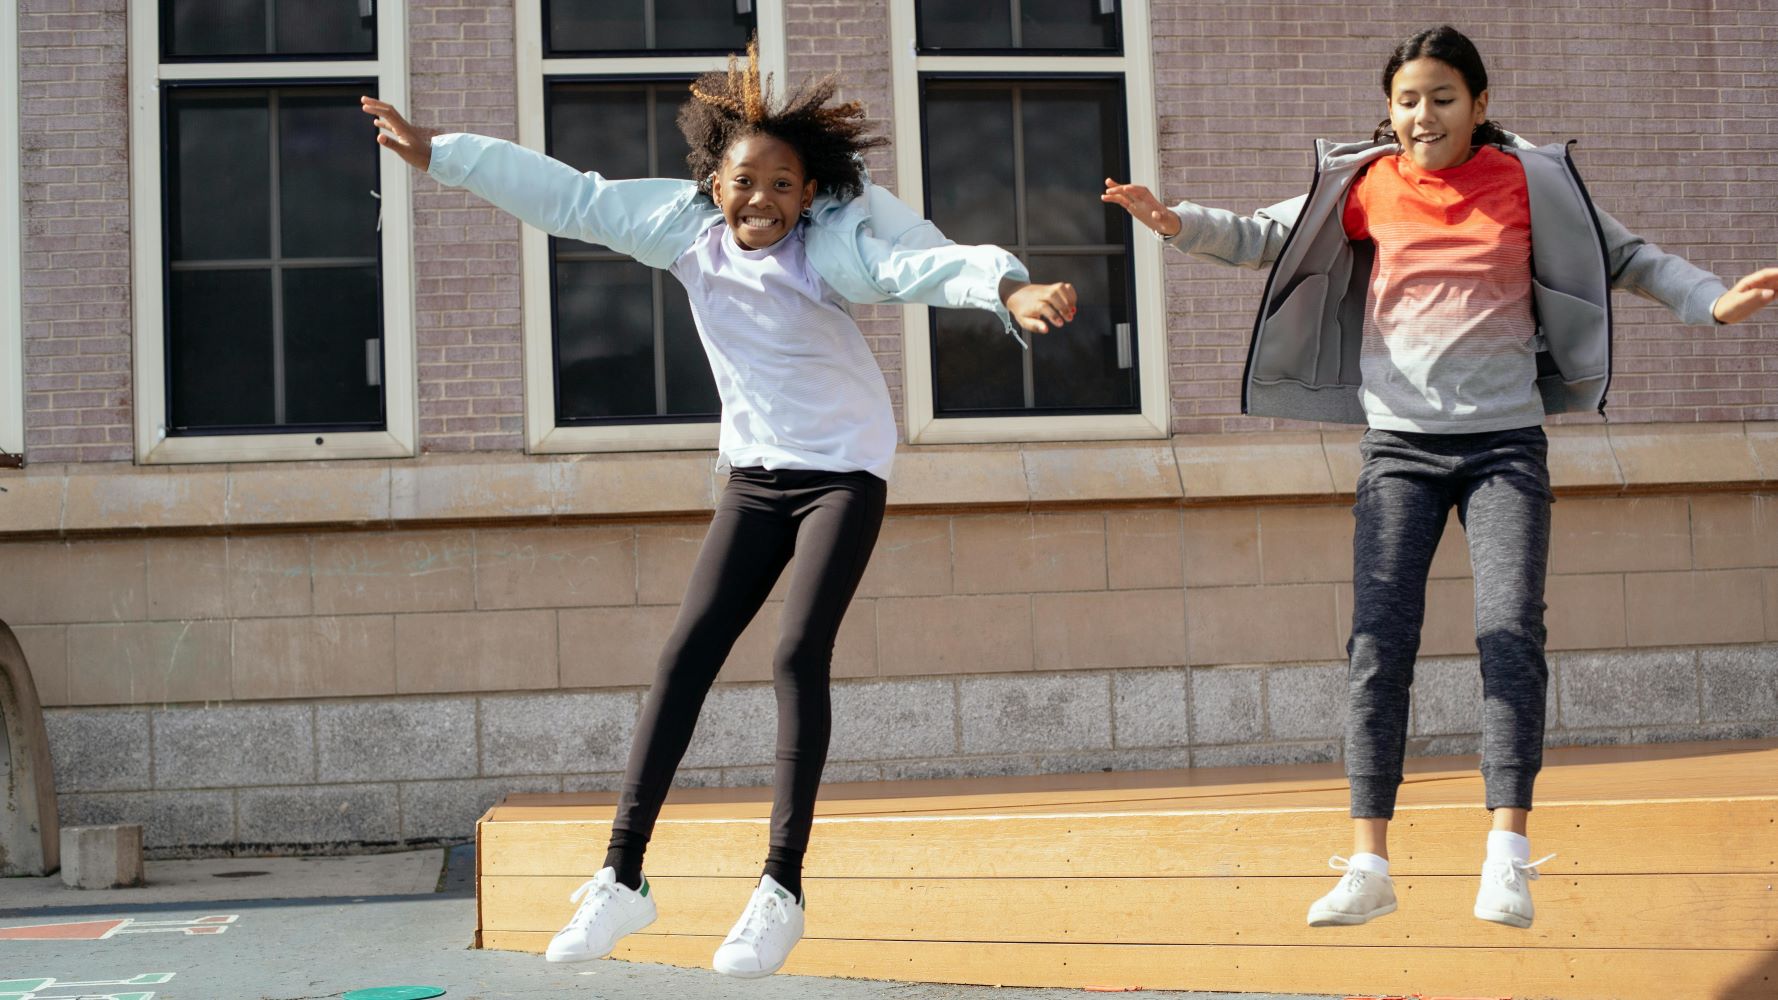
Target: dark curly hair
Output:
[
  {"x": 728, "y": 107},
  {"x": 1454, "y": 49}
]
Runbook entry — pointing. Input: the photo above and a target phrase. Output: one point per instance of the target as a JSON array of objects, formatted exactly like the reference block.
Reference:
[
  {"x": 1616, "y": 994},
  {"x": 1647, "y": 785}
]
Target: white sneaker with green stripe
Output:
[
  {"x": 608, "y": 910},
  {"x": 761, "y": 940}
]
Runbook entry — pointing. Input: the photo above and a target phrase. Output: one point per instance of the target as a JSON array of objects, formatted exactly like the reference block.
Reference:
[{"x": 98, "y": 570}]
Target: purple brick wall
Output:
[
  {"x": 74, "y": 165},
  {"x": 1671, "y": 103},
  {"x": 466, "y": 253}
]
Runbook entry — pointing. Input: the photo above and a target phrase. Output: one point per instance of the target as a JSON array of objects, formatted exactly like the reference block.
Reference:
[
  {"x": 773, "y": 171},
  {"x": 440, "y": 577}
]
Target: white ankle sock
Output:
[
  {"x": 1504, "y": 845},
  {"x": 1367, "y": 862}
]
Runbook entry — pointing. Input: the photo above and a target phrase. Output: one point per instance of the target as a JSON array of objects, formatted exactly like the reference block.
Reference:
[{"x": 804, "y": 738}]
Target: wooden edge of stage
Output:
[{"x": 1572, "y": 775}]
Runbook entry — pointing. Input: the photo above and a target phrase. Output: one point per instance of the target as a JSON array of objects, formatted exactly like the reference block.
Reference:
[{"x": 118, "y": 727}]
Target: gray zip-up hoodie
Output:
[{"x": 1303, "y": 362}]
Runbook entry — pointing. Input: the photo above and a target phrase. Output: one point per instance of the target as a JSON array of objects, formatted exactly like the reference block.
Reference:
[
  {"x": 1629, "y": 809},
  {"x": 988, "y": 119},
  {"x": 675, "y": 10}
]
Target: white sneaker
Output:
[
  {"x": 608, "y": 910},
  {"x": 1359, "y": 897},
  {"x": 1505, "y": 895},
  {"x": 761, "y": 940}
]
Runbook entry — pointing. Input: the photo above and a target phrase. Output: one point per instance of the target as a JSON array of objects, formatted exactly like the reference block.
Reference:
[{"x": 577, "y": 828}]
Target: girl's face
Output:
[
  {"x": 761, "y": 190},
  {"x": 1433, "y": 113}
]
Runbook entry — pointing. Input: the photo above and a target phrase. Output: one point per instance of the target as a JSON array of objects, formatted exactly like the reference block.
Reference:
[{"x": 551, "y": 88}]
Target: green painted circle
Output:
[{"x": 396, "y": 993}]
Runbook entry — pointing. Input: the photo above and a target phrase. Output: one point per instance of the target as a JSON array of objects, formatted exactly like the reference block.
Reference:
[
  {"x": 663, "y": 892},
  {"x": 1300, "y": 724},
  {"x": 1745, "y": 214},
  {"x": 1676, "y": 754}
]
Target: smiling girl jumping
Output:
[{"x": 780, "y": 228}]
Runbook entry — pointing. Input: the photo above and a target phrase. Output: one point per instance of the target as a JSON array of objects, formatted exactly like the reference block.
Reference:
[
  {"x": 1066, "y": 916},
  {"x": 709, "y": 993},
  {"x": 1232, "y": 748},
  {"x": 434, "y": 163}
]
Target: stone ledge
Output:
[{"x": 1197, "y": 470}]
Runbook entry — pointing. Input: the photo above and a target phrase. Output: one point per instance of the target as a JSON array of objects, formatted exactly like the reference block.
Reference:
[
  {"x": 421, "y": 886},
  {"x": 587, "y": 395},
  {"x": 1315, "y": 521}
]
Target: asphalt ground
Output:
[{"x": 314, "y": 928}]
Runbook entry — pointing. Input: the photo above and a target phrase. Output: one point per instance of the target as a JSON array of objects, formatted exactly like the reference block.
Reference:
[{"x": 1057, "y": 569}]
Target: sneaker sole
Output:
[
  {"x": 590, "y": 957},
  {"x": 738, "y": 974},
  {"x": 1502, "y": 917},
  {"x": 1328, "y": 918}
]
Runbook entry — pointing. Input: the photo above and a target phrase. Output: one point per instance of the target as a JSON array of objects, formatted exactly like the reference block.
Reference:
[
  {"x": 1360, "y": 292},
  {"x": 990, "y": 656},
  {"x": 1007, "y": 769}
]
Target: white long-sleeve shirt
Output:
[{"x": 799, "y": 386}]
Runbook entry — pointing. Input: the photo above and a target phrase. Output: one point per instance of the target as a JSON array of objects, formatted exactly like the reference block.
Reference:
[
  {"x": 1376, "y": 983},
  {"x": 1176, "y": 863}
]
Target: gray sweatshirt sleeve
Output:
[
  {"x": 1639, "y": 266},
  {"x": 1222, "y": 237}
]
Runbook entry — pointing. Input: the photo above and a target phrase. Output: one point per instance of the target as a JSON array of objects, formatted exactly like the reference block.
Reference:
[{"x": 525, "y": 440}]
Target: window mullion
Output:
[
  {"x": 279, "y": 400},
  {"x": 1020, "y": 230},
  {"x": 659, "y": 306}
]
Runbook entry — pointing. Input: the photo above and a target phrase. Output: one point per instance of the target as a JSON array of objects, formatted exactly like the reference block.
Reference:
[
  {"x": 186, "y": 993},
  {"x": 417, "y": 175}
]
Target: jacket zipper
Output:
[
  {"x": 1265, "y": 298},
  {"x": 1604, "y": 263}
]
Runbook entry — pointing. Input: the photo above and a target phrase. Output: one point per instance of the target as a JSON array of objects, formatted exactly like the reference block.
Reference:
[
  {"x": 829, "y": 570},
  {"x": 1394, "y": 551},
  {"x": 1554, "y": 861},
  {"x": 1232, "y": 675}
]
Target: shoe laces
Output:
[
  {"x": 592, "y": 896},
  {"x": 1506, "y": 873},
  {"x": 1354, "y": 878},
  {"x": 765, "y": 909}
]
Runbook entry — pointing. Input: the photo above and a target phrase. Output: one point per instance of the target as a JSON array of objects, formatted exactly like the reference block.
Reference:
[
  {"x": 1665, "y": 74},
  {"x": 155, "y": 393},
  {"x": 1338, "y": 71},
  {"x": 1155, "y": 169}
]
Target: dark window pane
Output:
[
  {"x": 604, "y": 339},
  {"x": 700, "y": 24},
  {"x": 975, "y": 365},
  {"x": 218, "y": 169},
  {"x": 691, "y": 389},
  {"x": 212, "y": 27},
  {"x": 328, "y": 171},
  {"x": 219, "y": 349},
  {"x": 582, "y": 26},
  {"x": 1076, "y": 366},
  {"x": 609, "y": 362},
  {"x": 1067, "y": 24},
  {"x": 587, "y": 121},
  {"x": 308, "y": 28},
  {"x": 1028, "y": 189},
  {"x": 969, "y": 162},
  {"x": 330, "y": 313},
  {"x": 325, "y": 27},
  {"x": 1073, "y": 138},
  {"x": 1038, "y": 24}
]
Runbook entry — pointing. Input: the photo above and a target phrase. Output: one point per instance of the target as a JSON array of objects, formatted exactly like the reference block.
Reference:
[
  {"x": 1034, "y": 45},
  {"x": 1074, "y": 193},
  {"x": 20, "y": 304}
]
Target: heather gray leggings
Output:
[{"x": 1500, "y": 484}]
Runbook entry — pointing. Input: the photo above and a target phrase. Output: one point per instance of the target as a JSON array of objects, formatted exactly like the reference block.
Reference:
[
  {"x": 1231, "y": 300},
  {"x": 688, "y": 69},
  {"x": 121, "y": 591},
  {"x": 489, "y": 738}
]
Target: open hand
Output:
[
  {"x": 1039, "y": 307},
  {"x": 1143, "y": 206},
  {"x": 1750, "y": 295},
  {"x": 409, "y": 141}
]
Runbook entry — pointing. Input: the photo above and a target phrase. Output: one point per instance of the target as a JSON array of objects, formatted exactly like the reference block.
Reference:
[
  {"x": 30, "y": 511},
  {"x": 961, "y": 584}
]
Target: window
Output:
[
  {"x": 272, "y": 264},
  {"x": 1017, "y": 111},
  {"x": 12, "y": 317},
  {"x": 613, "y": 361}
]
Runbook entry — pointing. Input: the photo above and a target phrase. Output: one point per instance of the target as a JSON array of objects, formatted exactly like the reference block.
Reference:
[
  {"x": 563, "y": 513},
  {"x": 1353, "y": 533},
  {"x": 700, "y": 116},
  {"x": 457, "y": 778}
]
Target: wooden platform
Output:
[{"x": 1663, "y": 886}]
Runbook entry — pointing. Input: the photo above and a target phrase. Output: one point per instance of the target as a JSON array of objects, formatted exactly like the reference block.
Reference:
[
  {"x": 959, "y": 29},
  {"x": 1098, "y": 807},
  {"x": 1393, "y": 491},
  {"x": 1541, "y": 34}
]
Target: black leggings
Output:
[{"x": 829, "y": 521}]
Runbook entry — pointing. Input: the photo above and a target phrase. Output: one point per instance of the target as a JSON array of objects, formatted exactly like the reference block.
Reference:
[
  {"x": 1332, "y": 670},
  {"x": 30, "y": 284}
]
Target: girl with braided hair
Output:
[{"x": 780, "y": 227}]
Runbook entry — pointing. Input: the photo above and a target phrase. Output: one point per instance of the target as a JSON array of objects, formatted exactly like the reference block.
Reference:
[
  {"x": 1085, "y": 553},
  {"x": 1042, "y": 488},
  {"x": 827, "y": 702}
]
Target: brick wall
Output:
[
  {"x": 850, "y": 39},
  {"x": 1678, "y": 137},
  {"x": 466, "y": 252},
  {"x": 74, "y": 166}
]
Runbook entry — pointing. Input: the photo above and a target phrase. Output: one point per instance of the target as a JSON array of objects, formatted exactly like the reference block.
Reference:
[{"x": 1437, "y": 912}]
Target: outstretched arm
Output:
[
  {"x": 1211, "y": 234},
  {"x": 652, "y": 220},
  {"x": 1747, "y": 296}
]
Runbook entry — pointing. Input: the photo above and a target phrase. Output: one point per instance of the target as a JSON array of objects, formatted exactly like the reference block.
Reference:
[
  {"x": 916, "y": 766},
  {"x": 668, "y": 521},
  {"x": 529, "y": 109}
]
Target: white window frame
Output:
[
  {"x": 1135, "y": 65},
  {"x": 153, "y": 446},
  {"x": 542, "y": 436},
  {"x": 12, "y": 309}
]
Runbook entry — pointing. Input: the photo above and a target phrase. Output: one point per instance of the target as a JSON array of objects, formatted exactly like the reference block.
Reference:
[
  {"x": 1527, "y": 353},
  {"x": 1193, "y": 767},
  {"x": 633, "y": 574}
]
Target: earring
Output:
[{"x": 808, "y": 213}]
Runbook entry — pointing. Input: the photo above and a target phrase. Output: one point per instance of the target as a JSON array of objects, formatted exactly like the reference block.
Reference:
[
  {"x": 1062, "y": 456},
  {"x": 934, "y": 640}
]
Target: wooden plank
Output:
[
  {"x": 1572, "y": 774},
  {"x": 1711, "y": 836},
  {"x": 1616, "y": 911},
  {"x": 1571, "y": 974}
]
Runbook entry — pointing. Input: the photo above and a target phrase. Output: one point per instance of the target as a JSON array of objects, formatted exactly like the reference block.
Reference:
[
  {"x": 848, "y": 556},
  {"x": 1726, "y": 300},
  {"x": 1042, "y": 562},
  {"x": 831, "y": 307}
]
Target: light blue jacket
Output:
[{"x": 870, "y": 249}]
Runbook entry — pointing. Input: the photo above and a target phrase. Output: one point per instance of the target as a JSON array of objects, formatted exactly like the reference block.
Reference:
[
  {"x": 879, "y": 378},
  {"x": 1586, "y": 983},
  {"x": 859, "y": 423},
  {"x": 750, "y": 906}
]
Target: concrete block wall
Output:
[
  {"x": 421, "y": 768},
  {"x": 384, "y": 686}
]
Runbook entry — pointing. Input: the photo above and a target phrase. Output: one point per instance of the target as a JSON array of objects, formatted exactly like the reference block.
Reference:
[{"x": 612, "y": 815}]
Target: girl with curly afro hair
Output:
[{"x": 779, "y": 229}]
